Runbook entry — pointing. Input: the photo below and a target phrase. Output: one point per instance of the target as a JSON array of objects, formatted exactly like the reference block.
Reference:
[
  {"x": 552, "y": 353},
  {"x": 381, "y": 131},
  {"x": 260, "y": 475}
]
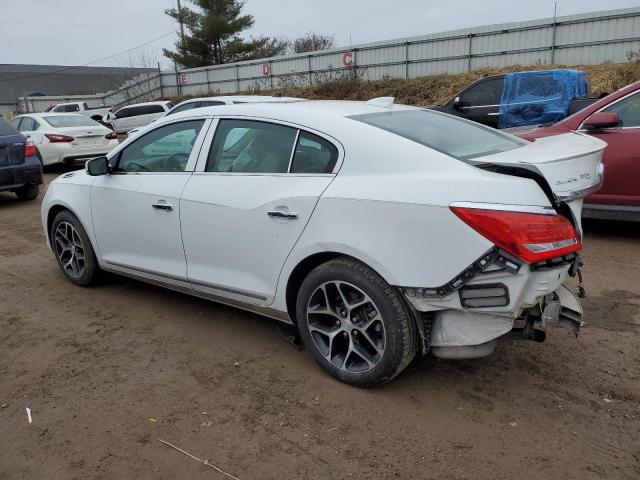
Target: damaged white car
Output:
[{"x": 378, "y": 230}]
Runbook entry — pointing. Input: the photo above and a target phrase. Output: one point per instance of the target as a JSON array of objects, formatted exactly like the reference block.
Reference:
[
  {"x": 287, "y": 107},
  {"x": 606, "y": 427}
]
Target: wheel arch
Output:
[
  {"x": 54, "y": 210},
  {"x": 306, "y": 265}
]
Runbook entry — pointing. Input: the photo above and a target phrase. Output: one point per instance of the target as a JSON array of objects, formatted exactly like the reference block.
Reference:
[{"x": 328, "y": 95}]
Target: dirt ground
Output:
[{"x": 108, "y": 370}]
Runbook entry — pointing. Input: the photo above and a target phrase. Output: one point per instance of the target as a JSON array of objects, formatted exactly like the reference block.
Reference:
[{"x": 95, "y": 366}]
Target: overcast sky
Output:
[{"x": 76, "y": 32}]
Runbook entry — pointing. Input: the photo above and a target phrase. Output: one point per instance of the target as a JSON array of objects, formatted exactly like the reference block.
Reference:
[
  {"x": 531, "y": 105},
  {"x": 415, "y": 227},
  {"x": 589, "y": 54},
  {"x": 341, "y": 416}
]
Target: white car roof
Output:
[
  {"x": 50, "y": 114},
  {"x": 326, "y": 116},
  {"x": 243, "y": 98}
]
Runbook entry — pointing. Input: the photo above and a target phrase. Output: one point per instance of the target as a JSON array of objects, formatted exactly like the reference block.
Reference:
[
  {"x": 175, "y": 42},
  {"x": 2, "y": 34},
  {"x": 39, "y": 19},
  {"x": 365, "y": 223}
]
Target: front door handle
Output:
[
  {"x": 162, "y": 205},
  {"x": 282, "y": 214}
]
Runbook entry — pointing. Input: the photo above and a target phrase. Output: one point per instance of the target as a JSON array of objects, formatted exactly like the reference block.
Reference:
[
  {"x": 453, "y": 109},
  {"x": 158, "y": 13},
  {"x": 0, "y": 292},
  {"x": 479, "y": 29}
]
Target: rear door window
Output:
[{"x": 250, "y": 146}]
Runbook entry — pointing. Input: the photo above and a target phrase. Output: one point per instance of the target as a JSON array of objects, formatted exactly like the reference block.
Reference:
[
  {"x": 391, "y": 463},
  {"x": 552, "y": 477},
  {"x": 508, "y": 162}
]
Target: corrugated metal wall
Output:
[{"x": 590, "y": 38}]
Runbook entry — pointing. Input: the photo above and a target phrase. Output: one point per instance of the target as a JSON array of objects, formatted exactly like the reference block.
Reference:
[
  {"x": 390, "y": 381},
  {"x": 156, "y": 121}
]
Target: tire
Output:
[
  {"x": 73, "y": 250},
  {"x": 28, "y": 192},
  {"x": 366, "y": 344}
]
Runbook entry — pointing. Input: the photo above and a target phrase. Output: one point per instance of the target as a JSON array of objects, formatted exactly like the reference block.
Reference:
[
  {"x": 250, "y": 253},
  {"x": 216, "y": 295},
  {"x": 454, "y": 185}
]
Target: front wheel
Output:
[
  {"x": 73, "y": 249},
  {"x": 356, "y": 326}
]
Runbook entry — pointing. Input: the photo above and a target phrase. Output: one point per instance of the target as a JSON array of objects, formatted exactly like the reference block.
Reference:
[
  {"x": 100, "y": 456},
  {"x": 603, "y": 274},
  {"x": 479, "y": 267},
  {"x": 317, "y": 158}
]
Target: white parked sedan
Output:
[
  {"x": 65, "y": 137},
  {"x": 377, "y": 230}
]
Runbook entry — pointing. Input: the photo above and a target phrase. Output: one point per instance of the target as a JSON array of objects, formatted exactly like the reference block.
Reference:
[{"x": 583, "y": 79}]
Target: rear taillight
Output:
[
  {"x": 531, "y": 237},
  {"x": 53, "y": 138},
  {"x": 29, "y": 148},
  {"x": 111, "y": 136}
]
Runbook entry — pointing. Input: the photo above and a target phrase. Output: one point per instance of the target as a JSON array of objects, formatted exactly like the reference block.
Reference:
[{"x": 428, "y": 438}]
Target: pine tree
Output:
[{"x": 213, "y": 35}]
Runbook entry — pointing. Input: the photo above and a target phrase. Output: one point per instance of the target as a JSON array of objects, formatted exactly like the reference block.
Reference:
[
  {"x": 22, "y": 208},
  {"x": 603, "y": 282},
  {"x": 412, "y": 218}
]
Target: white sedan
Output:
[
  {"x": 65, "y": 137},
  {"x": 377, "y": 230}
]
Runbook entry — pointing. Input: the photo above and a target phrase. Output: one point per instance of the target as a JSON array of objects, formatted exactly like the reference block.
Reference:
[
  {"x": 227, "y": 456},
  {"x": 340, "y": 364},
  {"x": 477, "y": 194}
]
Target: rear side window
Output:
[
  {"x": 250, "y": 146},
  {"x": 313, "y": 154},
  {"x": 444, "y": 133}
]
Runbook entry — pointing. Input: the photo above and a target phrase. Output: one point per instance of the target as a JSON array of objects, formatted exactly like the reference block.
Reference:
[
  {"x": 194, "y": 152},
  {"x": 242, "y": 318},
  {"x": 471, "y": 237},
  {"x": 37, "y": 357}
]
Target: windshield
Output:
[
  {"x": 452, "y": 136},
  {"x": 61, "y": 121}
]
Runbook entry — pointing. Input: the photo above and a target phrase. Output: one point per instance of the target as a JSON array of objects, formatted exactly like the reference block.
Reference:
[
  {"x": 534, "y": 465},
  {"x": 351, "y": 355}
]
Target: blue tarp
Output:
[{"x": 531, "y": 98}]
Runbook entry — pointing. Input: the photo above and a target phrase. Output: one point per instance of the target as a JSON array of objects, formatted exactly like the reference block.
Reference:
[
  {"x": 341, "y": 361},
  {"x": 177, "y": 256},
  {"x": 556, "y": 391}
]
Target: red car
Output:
[{"x": 616, "y": 120}]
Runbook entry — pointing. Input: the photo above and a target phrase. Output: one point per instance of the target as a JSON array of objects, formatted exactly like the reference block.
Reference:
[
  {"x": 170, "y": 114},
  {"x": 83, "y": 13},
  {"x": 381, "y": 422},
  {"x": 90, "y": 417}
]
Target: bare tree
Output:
[
  {"x": 311, "y": 42},
  {"x": 143, "y": 87}
]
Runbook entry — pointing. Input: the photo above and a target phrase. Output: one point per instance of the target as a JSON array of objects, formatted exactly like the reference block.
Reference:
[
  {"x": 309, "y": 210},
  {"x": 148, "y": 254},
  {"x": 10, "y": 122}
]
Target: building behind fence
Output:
[{"x": 586, "y": 39}]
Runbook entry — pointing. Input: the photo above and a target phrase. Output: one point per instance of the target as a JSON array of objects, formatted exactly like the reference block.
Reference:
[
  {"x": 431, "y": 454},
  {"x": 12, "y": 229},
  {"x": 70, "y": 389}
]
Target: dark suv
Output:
[{"x": 20, "y": 169}]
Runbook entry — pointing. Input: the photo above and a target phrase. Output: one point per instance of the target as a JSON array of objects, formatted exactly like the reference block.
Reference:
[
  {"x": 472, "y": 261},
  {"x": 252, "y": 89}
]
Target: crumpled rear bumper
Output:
[{"x": 466, "y": 334}]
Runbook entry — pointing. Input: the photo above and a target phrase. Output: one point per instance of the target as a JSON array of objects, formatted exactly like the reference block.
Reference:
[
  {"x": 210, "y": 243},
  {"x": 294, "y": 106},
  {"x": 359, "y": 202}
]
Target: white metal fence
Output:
[{"x": 587, "y": 39}]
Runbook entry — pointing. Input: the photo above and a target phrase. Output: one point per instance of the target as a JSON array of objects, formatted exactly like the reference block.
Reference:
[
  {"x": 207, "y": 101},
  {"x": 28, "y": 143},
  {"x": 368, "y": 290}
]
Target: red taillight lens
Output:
[
  {"x": 53, "y": 138},
  {"x": 111, "y": 136},
  {"x": 531, "y": 237},
  {"x": 29, "y": 148}
]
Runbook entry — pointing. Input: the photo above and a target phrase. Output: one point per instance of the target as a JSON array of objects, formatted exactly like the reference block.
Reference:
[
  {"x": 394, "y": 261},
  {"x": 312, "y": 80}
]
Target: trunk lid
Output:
[
  {"x": 86, "y": 136},
  {"x": 568, "y": 167},
  {"x": 11, "y": 150}
]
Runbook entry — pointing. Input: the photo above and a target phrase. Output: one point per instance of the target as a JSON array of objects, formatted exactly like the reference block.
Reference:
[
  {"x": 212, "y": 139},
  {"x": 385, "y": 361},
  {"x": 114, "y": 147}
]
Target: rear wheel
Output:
[
  {"x": 28, "y": 192},
  {"x": 356, "y": 326},
  {"x": 73, "y": 249}
]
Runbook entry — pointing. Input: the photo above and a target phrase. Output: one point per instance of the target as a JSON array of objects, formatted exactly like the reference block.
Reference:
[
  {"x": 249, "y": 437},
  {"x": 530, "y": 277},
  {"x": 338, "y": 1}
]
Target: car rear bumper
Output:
[
  {"x": 17, "y": 176},
  {"x": 65, "y": 152}
]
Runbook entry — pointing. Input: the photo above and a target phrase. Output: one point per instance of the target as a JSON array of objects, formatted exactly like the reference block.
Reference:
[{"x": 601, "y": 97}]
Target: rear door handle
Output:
[
  {"x": 162, "y": 205},
  {"x": 282, "y": 214}
]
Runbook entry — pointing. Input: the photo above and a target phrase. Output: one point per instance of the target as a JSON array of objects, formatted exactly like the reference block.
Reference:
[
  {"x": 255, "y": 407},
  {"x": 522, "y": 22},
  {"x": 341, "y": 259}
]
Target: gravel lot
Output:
[{"x": 108, "y": 370}]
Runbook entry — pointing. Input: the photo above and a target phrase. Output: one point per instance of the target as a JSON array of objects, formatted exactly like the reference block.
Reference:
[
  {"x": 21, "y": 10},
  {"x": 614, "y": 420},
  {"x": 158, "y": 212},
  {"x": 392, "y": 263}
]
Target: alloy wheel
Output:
[
  {"x": 69, "y": 249},
  {"x": 346, "y": 326}
]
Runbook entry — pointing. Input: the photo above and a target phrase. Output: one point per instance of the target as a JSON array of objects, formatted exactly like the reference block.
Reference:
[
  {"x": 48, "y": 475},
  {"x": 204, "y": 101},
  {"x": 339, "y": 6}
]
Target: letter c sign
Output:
[
  {"x": 347, "y": 59},
  {"x": 266, "y": 70}
]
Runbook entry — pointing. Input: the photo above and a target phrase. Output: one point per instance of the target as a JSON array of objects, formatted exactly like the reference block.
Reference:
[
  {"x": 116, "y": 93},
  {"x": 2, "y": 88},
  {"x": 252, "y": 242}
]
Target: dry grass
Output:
[{"x": 438, "y": 89}]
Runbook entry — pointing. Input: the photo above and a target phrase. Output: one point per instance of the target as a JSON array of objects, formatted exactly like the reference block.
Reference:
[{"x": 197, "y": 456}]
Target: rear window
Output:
[
  {"x": 6, "y": 128},
  {"x": 61, "y": 121},
  {"x": 450, "y": 135}
]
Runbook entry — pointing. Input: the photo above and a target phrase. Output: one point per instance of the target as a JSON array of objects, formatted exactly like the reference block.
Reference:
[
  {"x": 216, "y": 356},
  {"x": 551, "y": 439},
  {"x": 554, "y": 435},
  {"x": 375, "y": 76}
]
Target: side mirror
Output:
[
  {"x": 601, "y": 120},
  {"x": 97, "y": 166},
  {"x": 457, "y": 103}
]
